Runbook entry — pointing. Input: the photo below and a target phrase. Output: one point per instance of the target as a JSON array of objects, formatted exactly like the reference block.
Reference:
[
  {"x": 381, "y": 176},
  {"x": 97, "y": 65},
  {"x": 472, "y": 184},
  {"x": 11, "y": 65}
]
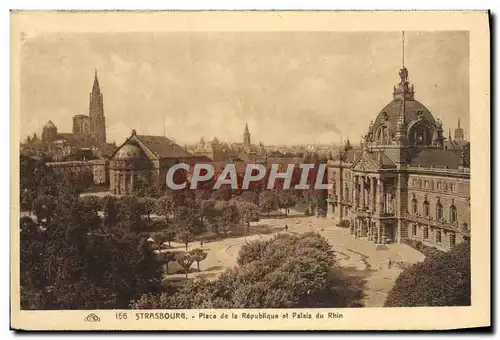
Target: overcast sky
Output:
[{"x": 291, "y": 87}]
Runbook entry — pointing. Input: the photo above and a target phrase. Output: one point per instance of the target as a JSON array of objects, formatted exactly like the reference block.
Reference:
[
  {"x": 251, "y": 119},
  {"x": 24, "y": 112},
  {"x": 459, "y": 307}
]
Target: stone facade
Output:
[
  {"x": 403, "y": 183},
  {"x": 143, "y": 161}
]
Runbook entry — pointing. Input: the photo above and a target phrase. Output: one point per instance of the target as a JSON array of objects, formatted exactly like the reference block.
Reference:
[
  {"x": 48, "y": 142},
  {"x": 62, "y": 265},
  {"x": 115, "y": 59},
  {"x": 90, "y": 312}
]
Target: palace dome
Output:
[
  {"x": 129, "y": 151},
  {"x": 413, "y": 109},
  {"x": 405, "y": 120}
]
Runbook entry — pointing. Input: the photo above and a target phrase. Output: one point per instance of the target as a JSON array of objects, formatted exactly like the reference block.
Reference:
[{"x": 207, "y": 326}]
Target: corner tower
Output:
[{"x": 96, "y": 113}]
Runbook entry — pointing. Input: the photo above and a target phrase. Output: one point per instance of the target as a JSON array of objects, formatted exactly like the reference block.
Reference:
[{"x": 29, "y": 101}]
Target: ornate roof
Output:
[
  {"x": 412, "y": 110},
  {"x": 405, "y": 121}
]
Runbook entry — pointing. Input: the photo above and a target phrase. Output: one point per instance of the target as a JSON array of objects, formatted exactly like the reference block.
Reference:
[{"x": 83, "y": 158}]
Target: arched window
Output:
[
  {"x": 414, "y": 208},
  {"x": 453, "y": 213},
  {"x": 427, "y": 209},
  {"x": 439, "y": 211},
  {"x": 421, "y": 134}
]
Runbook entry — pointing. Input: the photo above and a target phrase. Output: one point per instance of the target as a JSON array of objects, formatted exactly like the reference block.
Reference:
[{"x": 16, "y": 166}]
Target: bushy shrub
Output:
[
  {"x": 442, "y": 279},
  {"x": 286, "y": 271}
]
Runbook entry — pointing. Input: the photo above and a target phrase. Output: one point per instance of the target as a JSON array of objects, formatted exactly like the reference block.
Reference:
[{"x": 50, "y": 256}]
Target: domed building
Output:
[
  {"x": 403, "y": 183},
  {"x": 143, "y": 161}
]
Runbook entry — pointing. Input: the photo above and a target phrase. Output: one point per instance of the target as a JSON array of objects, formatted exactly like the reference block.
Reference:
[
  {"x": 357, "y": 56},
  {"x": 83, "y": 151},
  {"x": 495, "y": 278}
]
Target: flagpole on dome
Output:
[{"x": 403, "y": 47}]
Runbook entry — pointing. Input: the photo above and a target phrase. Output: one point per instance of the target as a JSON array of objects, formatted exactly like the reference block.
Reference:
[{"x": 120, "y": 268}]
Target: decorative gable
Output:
[{"x": 365, "y": 163}]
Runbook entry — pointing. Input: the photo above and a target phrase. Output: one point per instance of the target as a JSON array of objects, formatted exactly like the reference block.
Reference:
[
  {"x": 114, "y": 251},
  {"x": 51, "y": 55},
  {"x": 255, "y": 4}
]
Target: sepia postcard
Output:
[{"x": 246, "y": 170}]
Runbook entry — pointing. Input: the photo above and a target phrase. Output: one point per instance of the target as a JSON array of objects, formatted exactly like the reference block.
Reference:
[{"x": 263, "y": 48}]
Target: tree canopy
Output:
[
  {"x": 442, "y": 279},
  {"x": 285, "y": 271}
]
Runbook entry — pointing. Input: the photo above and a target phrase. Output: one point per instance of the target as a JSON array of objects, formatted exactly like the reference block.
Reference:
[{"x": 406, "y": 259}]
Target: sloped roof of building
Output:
[
  {"x": 448, "y": 159},
  {"x": 219, "y": 166},
  {"x": 283, "y": 160},
  {"x": 455, "y": 144},
  {"x": 163, "y": 147},
  {"x": 349, "y": 156},
  {"x": 382, "y": 159}
]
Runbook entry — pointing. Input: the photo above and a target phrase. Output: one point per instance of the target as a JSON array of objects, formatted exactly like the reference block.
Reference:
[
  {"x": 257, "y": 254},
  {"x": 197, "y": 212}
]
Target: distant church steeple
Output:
[
  {"x": 96, "y": 112},
  {"x": 459, "y": 132},
  {"x": 246, "y": 136},
  {"x": 95, "y": 87}
]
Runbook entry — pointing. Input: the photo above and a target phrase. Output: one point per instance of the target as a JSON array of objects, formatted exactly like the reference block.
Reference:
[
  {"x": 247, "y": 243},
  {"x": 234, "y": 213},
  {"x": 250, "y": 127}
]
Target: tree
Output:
[
  {"x": 71, "y": 265},
  {"x": 267, "y": 201},
  {"x": 167, "y": 258},
  {"x": 169, "y": 237},
  {"x": 207, "y": 209},
  {"x": 109, "y": 207},
  {"x": 185, "y": 260},
  {"x": 227, "y": 216},
  {"x": 165, "y": 206},
  {"x": 185, "y": 237},
  {"x": 130, "y": 213},
  {"x": 247, "y": 196},
  {"x": 252, "y": 251},
  {"x": 148, "y": 205},
  {"x": 247, "y": 211},
  {"x": 285, "y": 199},
  {"x": 160, "y": 239},
  {"x": 186, "y": 218},
  {"x": 44, "y": 207},
  {"x": 91, "y": 202},
  {"x": 446, "y": 283},
  {"x": 198, "y": 255},
  {"x": 224, "y": 193}
]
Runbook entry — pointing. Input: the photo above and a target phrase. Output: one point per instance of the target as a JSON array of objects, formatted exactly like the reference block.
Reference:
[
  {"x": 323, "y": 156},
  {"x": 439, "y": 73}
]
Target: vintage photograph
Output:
[{"x": 248, "y": 170}]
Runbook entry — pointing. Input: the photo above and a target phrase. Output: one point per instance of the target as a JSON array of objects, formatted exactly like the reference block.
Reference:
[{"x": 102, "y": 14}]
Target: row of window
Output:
[
  {"x": 452, "y": 236},
  {"x": 429, "y": 185},
  {"x": 453, "y": 216}
]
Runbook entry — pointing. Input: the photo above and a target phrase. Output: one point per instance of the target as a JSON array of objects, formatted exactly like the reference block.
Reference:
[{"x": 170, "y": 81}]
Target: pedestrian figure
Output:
[
  {"x": 201, "y": 243},
  {"x": 389, "y": 263},
  {"x": 286, "y": 227}
]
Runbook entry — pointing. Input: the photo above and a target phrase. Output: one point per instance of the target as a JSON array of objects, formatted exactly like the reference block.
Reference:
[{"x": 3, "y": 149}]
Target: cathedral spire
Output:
[
  {"x": 246, "y": 136},
  {"x": 95, "y": 87},
  {"x": 459, "y": 122},
  {"x": 96, "y": 112}
]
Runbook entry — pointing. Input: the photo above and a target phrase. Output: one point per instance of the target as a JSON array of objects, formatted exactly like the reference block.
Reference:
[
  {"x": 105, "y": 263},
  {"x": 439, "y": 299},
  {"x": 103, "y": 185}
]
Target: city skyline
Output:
[{"x": 303, "y": 79}]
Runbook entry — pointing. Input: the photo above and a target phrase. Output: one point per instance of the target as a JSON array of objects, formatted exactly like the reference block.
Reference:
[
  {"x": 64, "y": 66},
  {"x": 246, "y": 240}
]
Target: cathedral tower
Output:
[
  {"x": 246, "y": 136},
  {"x": 96, "y": 113},
  {"x": 459, "y": 132}
]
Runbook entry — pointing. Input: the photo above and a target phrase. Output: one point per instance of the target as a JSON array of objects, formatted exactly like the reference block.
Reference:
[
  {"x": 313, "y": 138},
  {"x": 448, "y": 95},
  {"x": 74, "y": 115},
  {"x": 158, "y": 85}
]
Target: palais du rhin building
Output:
[{"x": 406, "y": 182}]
